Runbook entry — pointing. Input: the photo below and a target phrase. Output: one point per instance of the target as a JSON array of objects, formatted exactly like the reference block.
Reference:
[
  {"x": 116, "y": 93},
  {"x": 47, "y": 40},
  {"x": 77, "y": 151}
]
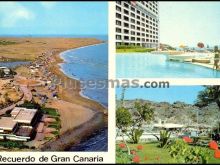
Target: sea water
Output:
[
  {"x": 13, "y": 64},
  {"x": 89, "y": 63}
]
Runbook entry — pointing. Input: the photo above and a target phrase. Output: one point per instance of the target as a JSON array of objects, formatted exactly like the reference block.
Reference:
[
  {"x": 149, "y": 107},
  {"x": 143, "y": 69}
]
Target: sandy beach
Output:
[{"x": 80, "y": 117}]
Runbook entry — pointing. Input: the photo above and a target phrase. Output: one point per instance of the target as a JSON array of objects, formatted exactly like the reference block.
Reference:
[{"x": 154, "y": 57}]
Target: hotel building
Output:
[
  {"x": 19, "y": 126},
  {"x": 137, "y": 23}
]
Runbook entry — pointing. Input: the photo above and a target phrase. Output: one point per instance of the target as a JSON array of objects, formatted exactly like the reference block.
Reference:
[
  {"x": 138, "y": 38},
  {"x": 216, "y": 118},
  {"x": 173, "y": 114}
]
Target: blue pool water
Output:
[
  {"x": 147, "y": 65},
  {"x": 187, "y": 94}
]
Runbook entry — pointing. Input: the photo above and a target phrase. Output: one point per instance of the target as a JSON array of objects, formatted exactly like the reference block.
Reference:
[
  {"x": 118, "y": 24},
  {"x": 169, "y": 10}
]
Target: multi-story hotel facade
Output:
[{"x": 137, "y": 23}]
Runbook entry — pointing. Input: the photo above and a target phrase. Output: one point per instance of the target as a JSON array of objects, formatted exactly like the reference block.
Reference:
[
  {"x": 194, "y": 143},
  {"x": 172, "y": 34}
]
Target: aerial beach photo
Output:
[
  {"x": 179, "y": 124},
  {"x": 47, "y": 51},
  {"x": 161, "y": 40}
]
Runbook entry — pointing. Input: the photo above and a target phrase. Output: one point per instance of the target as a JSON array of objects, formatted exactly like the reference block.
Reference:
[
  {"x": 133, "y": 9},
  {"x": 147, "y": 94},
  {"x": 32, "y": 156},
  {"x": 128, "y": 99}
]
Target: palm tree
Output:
[{"x": 209, "y": 95}]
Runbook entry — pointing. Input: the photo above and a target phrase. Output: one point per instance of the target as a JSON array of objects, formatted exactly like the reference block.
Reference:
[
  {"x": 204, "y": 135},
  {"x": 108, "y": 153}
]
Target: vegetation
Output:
[
  {"x": 183, "y": 153},
  {"x": 31, "y": 105},
  {"x": 130, "y": 122},
  {"x": 142, "y": 113},
  {"x": 164, "y": 138},
  {"x": 143, "y": 153},
  {"x": 12, "y": 144},
  {"x": 50, "y": 111},
  {"x": 209, "y": 95},
  {"x": 216, "y": 49},
  {"x": 151, "y": 153},
  {"x": 132, "y": 48},
  {"x": 3, "y": 42}
]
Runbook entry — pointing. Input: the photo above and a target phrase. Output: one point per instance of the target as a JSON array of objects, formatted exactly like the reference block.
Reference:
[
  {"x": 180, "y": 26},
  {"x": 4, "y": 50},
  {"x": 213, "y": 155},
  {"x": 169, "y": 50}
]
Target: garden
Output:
[{"x": 164, "y": 148}]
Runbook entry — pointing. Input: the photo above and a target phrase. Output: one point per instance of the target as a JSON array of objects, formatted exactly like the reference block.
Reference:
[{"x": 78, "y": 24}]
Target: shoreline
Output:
[
  {"x": 84, "y": 130},
  {"x": 76, "y": 78}
]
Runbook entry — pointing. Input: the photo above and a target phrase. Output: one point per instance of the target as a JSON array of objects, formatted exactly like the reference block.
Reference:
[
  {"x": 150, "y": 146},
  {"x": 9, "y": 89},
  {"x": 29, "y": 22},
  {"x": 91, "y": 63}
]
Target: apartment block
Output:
[{"x": 137, "y": 23}]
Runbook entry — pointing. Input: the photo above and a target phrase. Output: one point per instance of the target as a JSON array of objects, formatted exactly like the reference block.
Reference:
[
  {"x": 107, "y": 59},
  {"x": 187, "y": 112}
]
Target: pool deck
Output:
[{"x": 205, "y": 65}]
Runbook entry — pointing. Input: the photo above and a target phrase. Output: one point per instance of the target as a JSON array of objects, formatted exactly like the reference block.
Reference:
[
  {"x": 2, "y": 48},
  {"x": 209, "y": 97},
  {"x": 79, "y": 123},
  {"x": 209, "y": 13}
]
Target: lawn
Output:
[
  {"x": 50, "y": 111},
  {"x": 153, "y": 154},
  {"x": 131, "y": 50}
]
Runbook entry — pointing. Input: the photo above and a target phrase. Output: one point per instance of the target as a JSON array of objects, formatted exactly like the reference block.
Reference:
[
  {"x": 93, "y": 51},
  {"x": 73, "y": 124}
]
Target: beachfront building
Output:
[
  {"x": 5, "y": 72},
  {"x": 137, "y": 23},
  {"x": 19, "y": 125}
]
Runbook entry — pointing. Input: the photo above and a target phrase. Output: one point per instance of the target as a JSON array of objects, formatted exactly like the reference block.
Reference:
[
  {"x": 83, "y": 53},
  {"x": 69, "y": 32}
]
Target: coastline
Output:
[{"x": 76, "y": 134}]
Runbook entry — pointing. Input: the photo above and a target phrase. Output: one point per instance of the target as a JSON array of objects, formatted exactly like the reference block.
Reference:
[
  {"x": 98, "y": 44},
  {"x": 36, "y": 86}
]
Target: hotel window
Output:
[
  {"x": 118, "y": 37},
  {"x": 147, "y": 35},
  {"x": 133, "y": 15},
  {"x": 132, "y": 33},
  {"x": 138, "y": 34},
  {"x": 138, "y": 39},
  {"x": 138, "y": 28},
  {"x": 147, "y": 40},
  {"x": 132, "y": 38},
  {"x": 143, "y": 34},
  {"x": 132, "y": 20},
  {"x": 132, "y": 9},
  {"x": 126, "y": 31},
  {"x": 143, "y": 40},
  {"x": 118, "y": 2},
  {"x": 118, "y": 22},
  {"x": 118, "y": 15},
  {"x": 126, "y": 25},
  {"x": 126, "y": 12},
  {"x": 143, "y": 24},
  {"x": 138, "y": 17},
  {"x": 132, "y": 27},
  {"x": 118, "y": 30},
  {"x": 138, "y": 23},
  {"x": 143, "y": 14},
  {"x": 126, "y": 37},
  {"x": 126, "y": 18},
  {"x": 143, "y": 19},
  {"x": 126, "y": 5},
  {"x": 138, "y": 12},
  {"x": 142, "y": 29},
  {"x": 118, "y": 8}
]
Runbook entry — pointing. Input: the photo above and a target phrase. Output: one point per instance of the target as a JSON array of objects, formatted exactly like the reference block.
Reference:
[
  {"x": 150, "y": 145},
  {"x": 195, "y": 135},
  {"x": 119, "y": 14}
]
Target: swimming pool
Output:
[{"x": 147, "y": 65}]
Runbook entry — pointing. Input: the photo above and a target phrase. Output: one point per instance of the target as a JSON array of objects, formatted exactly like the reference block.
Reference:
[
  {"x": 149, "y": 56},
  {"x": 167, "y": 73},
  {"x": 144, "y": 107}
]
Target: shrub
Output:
[
  {"x": 183, "y": 153},
  {"x": 164, "y": 138},
  {"x": 213, "y": 145},
  {"x": 217, "y": 154},
  {"x": 122, "y": 156}
]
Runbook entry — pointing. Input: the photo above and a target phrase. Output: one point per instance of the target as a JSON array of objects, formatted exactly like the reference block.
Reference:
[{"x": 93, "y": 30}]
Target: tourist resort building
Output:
[
  {"x": 137, "y": 23},
  {"x": 6, "y": 71},
  {"x": 19, "y": 125}
]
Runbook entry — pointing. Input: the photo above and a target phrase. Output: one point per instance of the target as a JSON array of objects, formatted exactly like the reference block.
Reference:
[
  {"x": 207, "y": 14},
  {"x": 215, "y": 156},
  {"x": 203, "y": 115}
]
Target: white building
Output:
[{"x": 137, "y": 23}]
